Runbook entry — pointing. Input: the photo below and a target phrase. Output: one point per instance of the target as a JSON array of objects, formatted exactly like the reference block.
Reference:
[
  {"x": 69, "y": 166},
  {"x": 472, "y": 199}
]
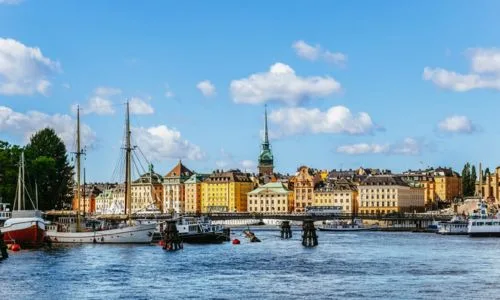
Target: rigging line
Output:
[
  {"x": 136, "y": 167},
  {"x": 139, "y": 160},
  {"x": 144, "y": 156}
]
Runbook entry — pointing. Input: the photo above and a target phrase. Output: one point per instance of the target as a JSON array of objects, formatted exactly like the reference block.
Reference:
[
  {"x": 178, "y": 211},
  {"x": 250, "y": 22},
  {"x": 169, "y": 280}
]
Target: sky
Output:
[{"x": 380, "y": 84}]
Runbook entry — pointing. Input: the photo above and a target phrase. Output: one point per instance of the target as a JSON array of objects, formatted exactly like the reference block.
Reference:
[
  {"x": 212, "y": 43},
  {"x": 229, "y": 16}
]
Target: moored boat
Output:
[
  {"x": 337, "y": 225},
  {"x": 481, "y": 224},
  {"x": 456, "y": 226},
  {"x": 201, "y": 231}
]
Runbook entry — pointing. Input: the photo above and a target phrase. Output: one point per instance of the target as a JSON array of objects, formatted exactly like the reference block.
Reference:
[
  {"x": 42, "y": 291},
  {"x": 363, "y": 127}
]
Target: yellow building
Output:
[
  {"x": 490, "y": 188},
  {"x": 192, "y": 191},
  {"x": 441, "y": 184},
  {"x": 303, "y": 187},
  {"x": 147, "y": 192},
  {"x": 226, "y": 191},
  {"x": 341, "y": 192},
  {"x": 272, "y": 197},
  {"x": 385, "y": 194}
]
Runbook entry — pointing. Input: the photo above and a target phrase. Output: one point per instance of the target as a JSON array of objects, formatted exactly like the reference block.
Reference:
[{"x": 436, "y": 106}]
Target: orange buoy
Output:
[
  {"x": 236, "y": 242},
  {"x": 15, "y": 247}
]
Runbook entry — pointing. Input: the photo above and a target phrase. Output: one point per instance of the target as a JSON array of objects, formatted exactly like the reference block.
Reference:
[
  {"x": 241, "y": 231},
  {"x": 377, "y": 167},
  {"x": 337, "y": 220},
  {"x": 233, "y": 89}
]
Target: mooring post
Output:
[
  {"x": 3, "y": 247},
  {"x": 286, "y": 231},
  {"x": 171, "y": 238},
  {"x": 309, "y": 237}
]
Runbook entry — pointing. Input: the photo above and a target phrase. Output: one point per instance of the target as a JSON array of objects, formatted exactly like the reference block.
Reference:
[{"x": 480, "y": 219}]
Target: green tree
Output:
[
  {"x": 472, "y": 181},
  {"x": 9, "y": 166},
  {"x": 486, "y": 172},
  {"x": 466, "y": 180},
  {"x": 48, "y": 166}
]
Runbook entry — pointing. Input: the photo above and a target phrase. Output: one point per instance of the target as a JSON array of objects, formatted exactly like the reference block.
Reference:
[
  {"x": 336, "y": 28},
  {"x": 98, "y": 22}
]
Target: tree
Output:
[
  {"x": 9, "y": 162},
  {"x": 472, "y": 181},
  {"x": 486, "y": 172},
  {"x": 466, "y": 180},
  {"x": 47, "y": 164}
]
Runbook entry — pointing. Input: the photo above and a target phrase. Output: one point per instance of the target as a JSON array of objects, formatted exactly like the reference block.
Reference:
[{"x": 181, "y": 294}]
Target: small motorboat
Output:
[{"x": 251, "y": 236}]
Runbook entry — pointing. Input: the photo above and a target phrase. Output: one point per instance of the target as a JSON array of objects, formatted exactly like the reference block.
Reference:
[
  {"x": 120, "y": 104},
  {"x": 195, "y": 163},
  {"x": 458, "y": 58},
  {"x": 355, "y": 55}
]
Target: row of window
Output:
[
  {"x": 366, "y": 197},
  {"x": 383, "y": 203},
  {"x": 262, "y": 209}
]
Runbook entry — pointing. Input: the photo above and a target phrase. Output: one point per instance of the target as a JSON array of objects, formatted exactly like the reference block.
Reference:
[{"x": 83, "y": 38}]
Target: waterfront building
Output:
[
  {"x": 225, "y": 191},
  {"x": 303, "y": 184},
  {"x": 173, "y": 188},
  {"x": 192, "y": 193},
  {"x": 111, "y": 200},
  {"x": 88, "y": 194},
  {"x": 490, "y": 188},
  {"x": 273, "y": 197},
  {"x": 147, "y": 191},
  {"x": 440, "y": 184},
  {"x": 384, "y": 194},
  {"x": 266, "y": 158},
  {"x": 342, "y": 193}
]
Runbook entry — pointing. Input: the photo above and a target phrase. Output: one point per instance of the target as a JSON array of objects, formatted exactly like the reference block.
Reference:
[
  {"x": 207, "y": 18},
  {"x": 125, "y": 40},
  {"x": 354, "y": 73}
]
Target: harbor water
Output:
[{"x": 362, "y": 265}]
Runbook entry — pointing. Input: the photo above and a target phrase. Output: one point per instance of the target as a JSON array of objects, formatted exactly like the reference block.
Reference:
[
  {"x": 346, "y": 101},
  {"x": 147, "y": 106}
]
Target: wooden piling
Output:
[
  {"x": 286, "y": 231},
  {"x": 309, "y": 236},
  {"x": 3, "y": 248},
  {"x": 171, "y": 238}
]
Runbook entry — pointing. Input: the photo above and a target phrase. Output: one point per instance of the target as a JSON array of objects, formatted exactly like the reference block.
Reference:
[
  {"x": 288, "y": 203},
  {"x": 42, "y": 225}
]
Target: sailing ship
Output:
[
  {"x": 69, "y": 229},
  {"x": 24, "y": 227}
]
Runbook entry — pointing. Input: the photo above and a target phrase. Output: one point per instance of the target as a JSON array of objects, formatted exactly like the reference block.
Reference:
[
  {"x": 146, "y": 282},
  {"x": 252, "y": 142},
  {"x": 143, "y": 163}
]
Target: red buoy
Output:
[
  {"x": 15, "y": 247},
  {"x": 236, "y": 242},
  {"x": 161, "y": 243}
]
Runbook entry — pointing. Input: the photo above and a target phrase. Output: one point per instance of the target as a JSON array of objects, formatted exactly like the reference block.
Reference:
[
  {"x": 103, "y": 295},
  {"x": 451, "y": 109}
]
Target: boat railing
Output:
[{"x": 5, "y": 214}]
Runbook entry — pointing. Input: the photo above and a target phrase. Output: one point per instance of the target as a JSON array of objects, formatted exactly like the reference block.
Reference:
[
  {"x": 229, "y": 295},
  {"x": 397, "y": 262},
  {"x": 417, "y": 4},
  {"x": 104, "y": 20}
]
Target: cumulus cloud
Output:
[
  {"x": 337, "y": 119},
  {"x": 281, "y": 83},
  {"x": 316, "y": 52},
  {"x": 409, "y": 146},
  {"x": 24, "y": 70},
  {"x": 161, "y": 142},
  {"x": 457, "y": 124},
  {"x": 106, "y": 91},
  {"x": 100, "y": 102},
  {"x": 228, "y": 161},
  {"x": 26, "y": 124},
  {"x": 140, "y": 107},
  {"x": 484, "y": 73},
  {"x": 206, "y": 88}
]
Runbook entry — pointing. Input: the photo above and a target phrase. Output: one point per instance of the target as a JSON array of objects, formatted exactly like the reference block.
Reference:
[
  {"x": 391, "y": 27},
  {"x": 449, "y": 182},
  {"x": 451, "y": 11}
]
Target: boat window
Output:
[{"x": 489, "y": 223}]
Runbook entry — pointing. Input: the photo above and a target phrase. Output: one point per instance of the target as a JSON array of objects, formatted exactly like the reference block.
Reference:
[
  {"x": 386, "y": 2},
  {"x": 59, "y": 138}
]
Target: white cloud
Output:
[
  {"x": 26, "y": 124},
  {"x": 337, "y": 119},
  {"x": 206, "y": 88},
  {"x": 140, "y": 107},
  {"x": 316, "y": 52},
  {"x": 106, "y": 91},
  {"x": 484, "y": 74},
  {"x": 227, "y": 161},
  {"x": 281, "y": 83},
  {"x": 161, "y": 142},
  {"x": 168, "y": 92},
  {"x": 363, "y": 148},
  {"x": 24, "y": 70},
  {"x": 408, "y": 146},
  {"x": 457, "y": 124},
  {"x": 10, "y": 1}
]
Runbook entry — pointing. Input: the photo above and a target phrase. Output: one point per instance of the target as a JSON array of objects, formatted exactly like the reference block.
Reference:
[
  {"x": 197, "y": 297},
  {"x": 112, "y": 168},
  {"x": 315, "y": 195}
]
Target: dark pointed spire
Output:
[{"x": 266, "y": 136}]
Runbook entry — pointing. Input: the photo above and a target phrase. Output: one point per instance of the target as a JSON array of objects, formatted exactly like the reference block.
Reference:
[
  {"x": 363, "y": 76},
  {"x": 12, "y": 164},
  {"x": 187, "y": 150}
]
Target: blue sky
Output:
[{"x": 387, "y": 84}]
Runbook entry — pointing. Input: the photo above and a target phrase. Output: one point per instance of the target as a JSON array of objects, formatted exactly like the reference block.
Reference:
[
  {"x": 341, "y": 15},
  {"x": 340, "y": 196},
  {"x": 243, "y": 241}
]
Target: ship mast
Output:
[
  {"x": 78, "y": 153},
  {"x": 128, "y": 176}
]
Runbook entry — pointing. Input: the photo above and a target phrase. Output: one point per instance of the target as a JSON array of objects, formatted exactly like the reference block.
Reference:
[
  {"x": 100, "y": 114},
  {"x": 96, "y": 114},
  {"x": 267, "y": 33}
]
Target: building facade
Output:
[
  {"x": 341, "y": 192},
  {"x": 88, "y": 194},
  {"x": 440, "y": 184},
  {"x": 385, "y": 194},
  {"x": 225, "y": 191},
  {"x": 192, "y": 193},
  {"x": 146, "y": 192},
  {"x": 173, "y": 189},
  {"x": 490, "y": 187},
  {"x": 303, "y": 188},
  {"x": 273, "y": 197},
  {"x": 112, "y": 200}
]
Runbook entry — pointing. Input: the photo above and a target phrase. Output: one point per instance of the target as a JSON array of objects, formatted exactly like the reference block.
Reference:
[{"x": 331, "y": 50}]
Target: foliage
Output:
[
  {"x": 9, "y": 166},
  {"x": 47, "y": 164}
]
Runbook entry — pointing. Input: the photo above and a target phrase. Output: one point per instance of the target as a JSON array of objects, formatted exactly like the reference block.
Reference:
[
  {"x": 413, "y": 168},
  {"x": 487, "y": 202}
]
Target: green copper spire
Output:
[
  {"x": 266, "y": 136},
  {"x": 266, "y": 159}
]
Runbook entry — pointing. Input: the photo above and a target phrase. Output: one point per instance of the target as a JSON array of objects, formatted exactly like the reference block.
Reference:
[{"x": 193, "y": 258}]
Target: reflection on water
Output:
[{"x": 345, "y": 265}]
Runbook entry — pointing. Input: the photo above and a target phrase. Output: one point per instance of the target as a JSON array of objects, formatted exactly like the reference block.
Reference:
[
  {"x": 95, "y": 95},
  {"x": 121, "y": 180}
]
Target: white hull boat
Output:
[{"x": 135, "y": 234}]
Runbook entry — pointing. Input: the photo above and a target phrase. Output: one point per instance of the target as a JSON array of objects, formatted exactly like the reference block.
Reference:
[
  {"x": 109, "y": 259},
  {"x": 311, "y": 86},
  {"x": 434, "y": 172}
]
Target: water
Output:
[{"x": 361, "y": 265}]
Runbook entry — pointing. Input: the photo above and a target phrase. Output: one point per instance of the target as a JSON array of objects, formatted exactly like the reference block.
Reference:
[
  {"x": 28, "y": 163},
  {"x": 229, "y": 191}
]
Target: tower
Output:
[{"x": 266, "y": 160}]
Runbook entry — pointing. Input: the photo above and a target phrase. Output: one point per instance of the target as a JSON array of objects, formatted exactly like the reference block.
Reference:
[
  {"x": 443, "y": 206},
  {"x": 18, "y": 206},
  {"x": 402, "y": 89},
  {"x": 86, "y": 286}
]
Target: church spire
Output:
[{"x": 266, "y": 136}]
